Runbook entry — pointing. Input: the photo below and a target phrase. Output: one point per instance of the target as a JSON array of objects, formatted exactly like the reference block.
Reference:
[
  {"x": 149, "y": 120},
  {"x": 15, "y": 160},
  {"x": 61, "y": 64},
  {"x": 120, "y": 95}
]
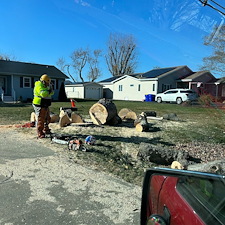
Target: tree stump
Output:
[
  {"x": 160, "y": 155},
  {"x": 171, "y": 116},
  {"x": 104, "y": 112}
]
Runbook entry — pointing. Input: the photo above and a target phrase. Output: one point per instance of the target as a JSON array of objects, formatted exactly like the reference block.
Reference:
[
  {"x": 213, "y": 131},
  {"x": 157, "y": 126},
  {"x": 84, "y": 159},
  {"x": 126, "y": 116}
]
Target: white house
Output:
[
  {"x": 134, "y": 87},
  {"x": 86, "y": 90}
]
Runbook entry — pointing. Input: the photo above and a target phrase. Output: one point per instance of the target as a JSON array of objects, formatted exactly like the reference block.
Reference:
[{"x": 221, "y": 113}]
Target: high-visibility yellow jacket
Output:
[{"x": 41, "y": 93}]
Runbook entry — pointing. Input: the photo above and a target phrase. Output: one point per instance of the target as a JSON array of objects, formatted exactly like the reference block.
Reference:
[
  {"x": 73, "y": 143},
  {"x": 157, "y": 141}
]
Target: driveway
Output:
[{"x": 41, "y": 185}]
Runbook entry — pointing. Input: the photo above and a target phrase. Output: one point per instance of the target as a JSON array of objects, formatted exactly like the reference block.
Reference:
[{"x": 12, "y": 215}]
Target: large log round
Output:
[{"x": 103, "y": 112}]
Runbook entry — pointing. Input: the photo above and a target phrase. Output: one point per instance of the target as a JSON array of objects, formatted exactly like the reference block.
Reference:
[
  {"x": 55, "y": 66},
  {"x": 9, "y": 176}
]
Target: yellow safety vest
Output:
[{"x": 41, "y": 92}]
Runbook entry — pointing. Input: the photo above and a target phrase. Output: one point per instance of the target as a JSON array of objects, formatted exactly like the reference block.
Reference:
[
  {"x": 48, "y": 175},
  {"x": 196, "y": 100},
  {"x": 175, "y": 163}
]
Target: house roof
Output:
[
  {"x": 149, "y": 74},
  {"x": 196, "y": 75},
  {"x": 153, "y": 73},
  {"x": 83, "y": 84},
  {"x": 29, "y": 69},
  {"x": 110, "y": 79},
  {"x": 221, "y": 80}
]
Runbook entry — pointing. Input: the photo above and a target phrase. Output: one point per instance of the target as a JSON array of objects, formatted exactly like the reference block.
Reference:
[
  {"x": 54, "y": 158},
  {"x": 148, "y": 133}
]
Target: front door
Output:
[{"x": 2, "y": 87}]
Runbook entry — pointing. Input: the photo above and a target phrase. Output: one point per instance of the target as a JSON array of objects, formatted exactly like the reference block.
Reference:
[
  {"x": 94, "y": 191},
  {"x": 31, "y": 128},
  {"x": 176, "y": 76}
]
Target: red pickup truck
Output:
[{"x": 181, "y": 197}]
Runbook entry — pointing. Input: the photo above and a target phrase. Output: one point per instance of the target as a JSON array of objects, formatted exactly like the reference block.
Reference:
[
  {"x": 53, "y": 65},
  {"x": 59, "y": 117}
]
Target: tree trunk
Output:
[
  {"x": 142, "y": 127},
  {"x": 104, "y": 112}
]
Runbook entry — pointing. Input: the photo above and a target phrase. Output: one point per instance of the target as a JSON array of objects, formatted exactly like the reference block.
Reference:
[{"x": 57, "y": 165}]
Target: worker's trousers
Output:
[{"x": 43, "y": 119}]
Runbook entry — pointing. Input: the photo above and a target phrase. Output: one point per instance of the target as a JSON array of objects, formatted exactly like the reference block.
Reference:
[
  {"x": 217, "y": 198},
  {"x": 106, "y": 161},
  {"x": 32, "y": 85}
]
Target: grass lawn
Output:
[
  {"x": 206, "y": 124},
  {"x": 115, "y": 145}
]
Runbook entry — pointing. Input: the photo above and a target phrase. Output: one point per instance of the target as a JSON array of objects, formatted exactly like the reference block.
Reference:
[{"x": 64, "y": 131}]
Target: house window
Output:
[
  {"x": 27, "y": 82},
  {"x": 120, "y": 87},
  {"x": 131, "y": 85},
  {"x": 53, "y": 82},
  {"x": 153, "y": 87},
  {"x": 139, "y": 87},
  {"x": 166, "y": 87}
]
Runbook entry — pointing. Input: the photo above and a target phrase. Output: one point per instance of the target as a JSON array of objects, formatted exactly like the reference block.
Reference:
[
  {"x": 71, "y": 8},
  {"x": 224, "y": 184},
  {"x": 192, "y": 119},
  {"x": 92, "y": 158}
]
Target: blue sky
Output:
[{"x": 168, "y": 32}]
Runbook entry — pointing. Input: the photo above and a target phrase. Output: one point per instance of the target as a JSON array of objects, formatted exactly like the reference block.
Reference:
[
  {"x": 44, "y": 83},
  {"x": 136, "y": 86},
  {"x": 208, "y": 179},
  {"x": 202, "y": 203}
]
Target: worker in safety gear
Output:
[{"x": 43, "y": 92}]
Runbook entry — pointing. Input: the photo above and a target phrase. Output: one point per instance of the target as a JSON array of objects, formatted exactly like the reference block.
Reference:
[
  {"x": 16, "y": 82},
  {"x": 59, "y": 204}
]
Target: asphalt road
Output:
[{"x": 40, "y": 185}]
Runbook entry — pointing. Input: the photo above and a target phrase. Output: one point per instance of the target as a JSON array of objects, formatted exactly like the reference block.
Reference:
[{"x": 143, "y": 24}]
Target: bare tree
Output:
[
  {"x": 7, "y": 57},
  {"x": 121, "y": 57},
  {"x": 61, "y": 63},
  {"x": 79, "y": 59},
  {"x": 94, "y": 71},
  {"x": 216, "y": 61}
]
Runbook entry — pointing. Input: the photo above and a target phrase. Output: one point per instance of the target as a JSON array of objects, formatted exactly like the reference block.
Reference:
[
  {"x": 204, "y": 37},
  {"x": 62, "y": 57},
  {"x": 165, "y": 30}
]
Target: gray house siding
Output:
[
  {"x": 169, "y": 80},
  {"x": 18, "y": 78}
]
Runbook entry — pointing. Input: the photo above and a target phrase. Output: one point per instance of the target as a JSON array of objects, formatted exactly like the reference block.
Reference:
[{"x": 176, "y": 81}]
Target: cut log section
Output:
[
  {"x": 142, "y": 127},
  {"x": 123, "y": 112},
  {"x": 75, "y": 118},
  {"x": 61, "y": 113},
  {"x": 126, "y": 114},
  {"x": 149, "y": 113},
  {"x": 177, "y": 165},
  {"x": 104, "y": 112},
  {"x": 141, "y": 123},
  {"x": 64, "y": 120},
  {"x": 131, "y": 116},
  {"x": 54, "y": 118},
  {"x": 33, "y": 117}
]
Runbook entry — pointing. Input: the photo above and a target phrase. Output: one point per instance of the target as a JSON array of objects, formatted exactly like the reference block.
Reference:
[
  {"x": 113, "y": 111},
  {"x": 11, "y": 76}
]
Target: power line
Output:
[
  {"x": 218, "y": 4},
  {"x": 205, "y": 3}
]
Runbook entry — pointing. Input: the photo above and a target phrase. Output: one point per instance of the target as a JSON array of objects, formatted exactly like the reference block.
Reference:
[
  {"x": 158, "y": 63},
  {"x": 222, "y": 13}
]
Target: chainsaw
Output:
[{"x": 72, "y": 142}]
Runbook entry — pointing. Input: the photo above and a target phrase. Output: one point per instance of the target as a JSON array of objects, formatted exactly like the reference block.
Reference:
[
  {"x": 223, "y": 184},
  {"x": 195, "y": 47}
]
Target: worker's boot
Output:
[
  {"x": 41, "y": 135},
  {"x": 47, "y": 130}
]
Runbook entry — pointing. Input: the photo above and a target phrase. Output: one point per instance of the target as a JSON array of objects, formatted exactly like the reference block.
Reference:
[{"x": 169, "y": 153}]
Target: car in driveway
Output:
[{"x": 176, "y": 95}]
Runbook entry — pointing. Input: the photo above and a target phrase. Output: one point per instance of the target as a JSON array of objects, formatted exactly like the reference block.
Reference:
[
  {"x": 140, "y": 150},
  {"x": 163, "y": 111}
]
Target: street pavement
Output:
[{"x": 40, "y": 185}]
